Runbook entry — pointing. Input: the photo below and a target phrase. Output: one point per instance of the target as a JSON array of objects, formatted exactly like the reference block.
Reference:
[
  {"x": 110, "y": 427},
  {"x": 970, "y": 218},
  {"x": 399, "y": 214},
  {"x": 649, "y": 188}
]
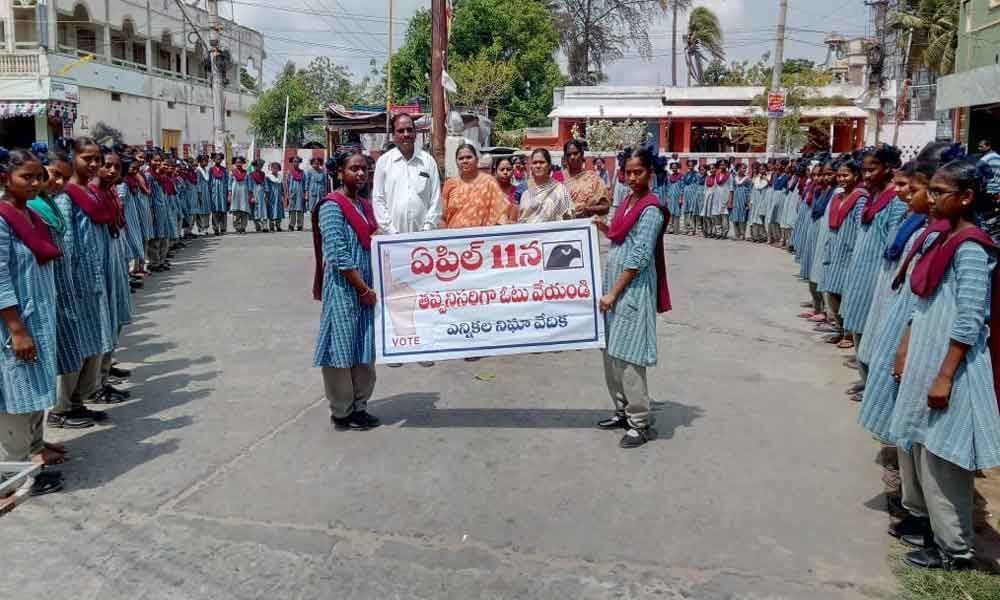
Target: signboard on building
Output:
[
  {"x": 67, "y": 92},
  {"x": 776, "y": 103}
]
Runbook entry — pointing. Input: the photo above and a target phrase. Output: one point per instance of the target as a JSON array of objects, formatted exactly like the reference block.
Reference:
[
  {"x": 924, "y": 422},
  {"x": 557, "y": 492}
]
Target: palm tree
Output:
[
  {"x": 703, "y": 42},
  {"x": 679, "y": 6},
  {"x": 932, "y": 33}
]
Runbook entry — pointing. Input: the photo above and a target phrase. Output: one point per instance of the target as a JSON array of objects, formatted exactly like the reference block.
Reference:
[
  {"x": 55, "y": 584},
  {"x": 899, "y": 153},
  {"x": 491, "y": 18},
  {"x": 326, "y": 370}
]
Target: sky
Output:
[{"x": 353, "y": 32}]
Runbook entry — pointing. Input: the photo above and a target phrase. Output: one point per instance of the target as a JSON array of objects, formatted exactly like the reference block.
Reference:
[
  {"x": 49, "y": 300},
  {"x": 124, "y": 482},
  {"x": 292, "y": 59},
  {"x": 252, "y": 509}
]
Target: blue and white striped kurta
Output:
[
  {"x": 145, "y": 204},
  {"x": 258, "y": 191},
  {"x": 790, "y": 211},
  {"x": 800, "y": 229},
  {"x": 865, "y": 263},
  {"x": 240, "y": 199},
  {"x": 181, "y": 208},
  {"x": 173, "y": 213},
  {"x": 818, "y": 269},
  {"x": 808, "y": 242},
  {"x": 741, "y": 200},
  {"x": 756, "y": 203},
  {"x": 630, "y": 325},
  {"x": 762, "y": 210},
  {"x": 296, "y": 193},
  {"x": 967, "y": 433},
  {"x": 28, "y": 386},
  {"x": 85, "y": 244},
  {"x": 347, "y": 327},
  {"x": 68, "y": 332},
  {"x": 883, "y": 340},
  {"x": 777, "y": 206},
  {"x": 203, "y": 198},
  {"x": 316, "y": 186},
  {"x": 119, "y": 291},
  {"x": 161, "y": 212},
  {"x": 275, "y": 200},
  {"x": 133, "y": 222},
  {"x": 219, "y": 192},
  {"x": 840, "y": 245},
  {"x": 689, "y": 189}
]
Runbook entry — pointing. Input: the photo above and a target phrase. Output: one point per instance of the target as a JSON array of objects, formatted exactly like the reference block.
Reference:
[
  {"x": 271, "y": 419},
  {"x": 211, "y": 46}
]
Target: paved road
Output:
[{"x": 224, "y": 480}]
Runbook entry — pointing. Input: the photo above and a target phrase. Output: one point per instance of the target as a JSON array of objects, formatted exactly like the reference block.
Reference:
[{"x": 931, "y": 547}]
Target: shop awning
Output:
[{"x": 9, "y": 110}]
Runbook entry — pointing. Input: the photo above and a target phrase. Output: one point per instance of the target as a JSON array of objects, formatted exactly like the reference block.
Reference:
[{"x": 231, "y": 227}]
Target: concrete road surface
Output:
[{"x": 223, "y": 478}]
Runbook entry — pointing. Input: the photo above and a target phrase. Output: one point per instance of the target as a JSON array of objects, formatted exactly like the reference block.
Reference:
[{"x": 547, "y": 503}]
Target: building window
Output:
[
  {"x": 116, "y": 97},
  {"x": 202, "y": 109},
  {"x": 171, "y": 104},
  {"x": 229, "y": 113}
]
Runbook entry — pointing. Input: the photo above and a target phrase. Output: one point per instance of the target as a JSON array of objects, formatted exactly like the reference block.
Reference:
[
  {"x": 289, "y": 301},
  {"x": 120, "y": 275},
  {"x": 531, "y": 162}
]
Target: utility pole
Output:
[
  {"x": 388, "y": 80},
  {"x": 218, "y": 93},
  {"x": 439, "y": 50},
  {"x": 881, "y": 8},
  {"x": 779, "y": 62}
]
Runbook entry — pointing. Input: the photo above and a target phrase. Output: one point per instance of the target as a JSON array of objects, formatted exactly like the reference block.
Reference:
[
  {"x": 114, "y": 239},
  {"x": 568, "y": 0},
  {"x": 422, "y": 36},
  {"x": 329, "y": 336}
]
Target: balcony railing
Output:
[{"x": 20, "y": 65}]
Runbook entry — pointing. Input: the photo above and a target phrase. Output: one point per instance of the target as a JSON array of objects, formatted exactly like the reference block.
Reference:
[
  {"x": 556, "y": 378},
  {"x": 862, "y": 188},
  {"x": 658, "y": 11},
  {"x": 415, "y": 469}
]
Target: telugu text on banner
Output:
[{"x": 487, "y": 291}]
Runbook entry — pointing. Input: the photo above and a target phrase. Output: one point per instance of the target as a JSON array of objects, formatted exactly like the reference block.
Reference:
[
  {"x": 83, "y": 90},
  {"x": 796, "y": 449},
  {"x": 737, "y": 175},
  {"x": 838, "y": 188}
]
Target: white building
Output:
[{"x": 77, "y": 66}]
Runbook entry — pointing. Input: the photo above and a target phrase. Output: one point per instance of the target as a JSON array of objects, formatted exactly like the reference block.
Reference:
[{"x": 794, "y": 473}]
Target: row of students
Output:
[
  {"x": 893, "y": 256},
  {"x": 65, "y": 291}
]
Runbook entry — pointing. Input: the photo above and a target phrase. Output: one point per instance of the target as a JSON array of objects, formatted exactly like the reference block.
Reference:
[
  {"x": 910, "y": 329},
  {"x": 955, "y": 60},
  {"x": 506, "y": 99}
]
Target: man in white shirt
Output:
[{"x": 406, "y": 192}]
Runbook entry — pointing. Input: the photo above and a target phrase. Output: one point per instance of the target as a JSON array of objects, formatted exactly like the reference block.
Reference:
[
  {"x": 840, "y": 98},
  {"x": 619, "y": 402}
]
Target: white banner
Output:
[{"x": 487, "y": 291}]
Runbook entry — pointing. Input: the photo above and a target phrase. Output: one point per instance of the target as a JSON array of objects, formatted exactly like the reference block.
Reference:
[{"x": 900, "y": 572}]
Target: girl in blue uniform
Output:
[
  {"x": 343, "y": 224},
  {"x": 295, "y": 188},
  {"x": 275, "y": 198},
  {"x": 673, "y": 189},
  {"x": 258, "y": 195},
  {"x": 239, "y": 195},
  {"x": 880, "y": 216},
  {"x": 218, "y": 189},
  {"x": 129, "y": 193},
  {"x": 759, "y": 183},
  {"x": 741, "y": 200},
  {"x": 27, "y": 318},
  {"x": 635, "y": 284},
  {"x": 203, "y": 208},
  {"x": 689, "y": 204},
  {"x": 162, "y": 190},
  {"x": 844, "y": 216},
  {"x": 316, "y": 183},
  {"x": 945, "y": 418}
]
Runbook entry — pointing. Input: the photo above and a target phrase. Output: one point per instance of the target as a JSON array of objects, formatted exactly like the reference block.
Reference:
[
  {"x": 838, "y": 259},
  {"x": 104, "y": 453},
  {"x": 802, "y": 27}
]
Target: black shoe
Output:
[
  {"x": 928, "y": 558},
  {"x": 349, "y": 423},
  {"x": 47, "y": 482},
  {"x": 110, "y": 389},
  {"x": 119, "y": 373},
  {"x": 635, "y": 437},
  {"x": 86, "y": 413},
  {"x": 65, "y": 421},
  {"x": 365, "y": 418},
  {"x": 615, "y": 421},
  {"x": 910, "y": 525}
]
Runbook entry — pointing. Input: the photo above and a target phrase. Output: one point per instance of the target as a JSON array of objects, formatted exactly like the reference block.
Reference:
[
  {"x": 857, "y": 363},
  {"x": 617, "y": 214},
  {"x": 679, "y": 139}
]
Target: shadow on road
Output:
[{"x": 418, "y": 410}]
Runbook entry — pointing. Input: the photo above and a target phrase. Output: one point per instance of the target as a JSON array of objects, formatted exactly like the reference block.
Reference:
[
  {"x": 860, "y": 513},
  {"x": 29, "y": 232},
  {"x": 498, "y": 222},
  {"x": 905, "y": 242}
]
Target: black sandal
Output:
[{"x": 47, "y": 482}]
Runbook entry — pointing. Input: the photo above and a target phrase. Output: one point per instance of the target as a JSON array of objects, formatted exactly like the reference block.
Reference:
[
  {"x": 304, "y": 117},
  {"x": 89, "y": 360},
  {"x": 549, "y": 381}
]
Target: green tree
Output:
[
  {"x": 247, "y": 81},
  {"x": 676, "y": 6},
  {"x": 267, "y": 116},
  {"x": 717, "y": 73},
  {"x": 703, "y": 41},
  {"x": 931, "y": 39},
  {"x": 518, "y": 31},
  {"x": 596, "y": 32},
  {"x": 325, "y": 81},
  {"x": 481, "y": 80}
]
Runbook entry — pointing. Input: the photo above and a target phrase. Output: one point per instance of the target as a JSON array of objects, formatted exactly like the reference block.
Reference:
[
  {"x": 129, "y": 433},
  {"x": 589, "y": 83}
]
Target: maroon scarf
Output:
[
  {"x": 239, "y": 174},
  {"x": 934, "y": 263},
  {"x": 675, "y": 177},
  {"x": 35, "y": 233},
  {"x": 166, "y": 183},
  {"x": 622, "y": 224},
  {"x": 842, "y": 206},
  {"x": 876, "y": 205},
  {"x": 109, "y": 198},
  {"x": 810, "y": 188},
  {"x": 710, "y": 181},
  {"x": 362, "y": 228},
  {"x": 218, "y": 172},
  {"x": 137, "y": 182},
  {"x": 258, "y": 180},
  {"x": 722, "y": 178},
  {"x": 90, "y": 204},
  {"x": 298, "y": 174},
  {"x": 191, "y": 176}
]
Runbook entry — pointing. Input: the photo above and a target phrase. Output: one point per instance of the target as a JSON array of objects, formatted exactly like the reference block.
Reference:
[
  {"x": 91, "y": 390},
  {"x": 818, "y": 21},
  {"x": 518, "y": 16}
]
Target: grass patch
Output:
[{"x": 924, "y": 584}]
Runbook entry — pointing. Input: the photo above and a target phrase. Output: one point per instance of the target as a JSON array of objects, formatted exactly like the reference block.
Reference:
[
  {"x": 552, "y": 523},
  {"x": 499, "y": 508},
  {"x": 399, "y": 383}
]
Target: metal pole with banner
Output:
[{"x": 487, "y": 291}]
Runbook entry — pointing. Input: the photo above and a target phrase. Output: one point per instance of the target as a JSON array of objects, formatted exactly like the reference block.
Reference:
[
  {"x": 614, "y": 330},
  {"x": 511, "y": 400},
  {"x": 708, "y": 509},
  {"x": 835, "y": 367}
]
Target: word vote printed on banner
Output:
[{"x": 487, "y": 291}]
